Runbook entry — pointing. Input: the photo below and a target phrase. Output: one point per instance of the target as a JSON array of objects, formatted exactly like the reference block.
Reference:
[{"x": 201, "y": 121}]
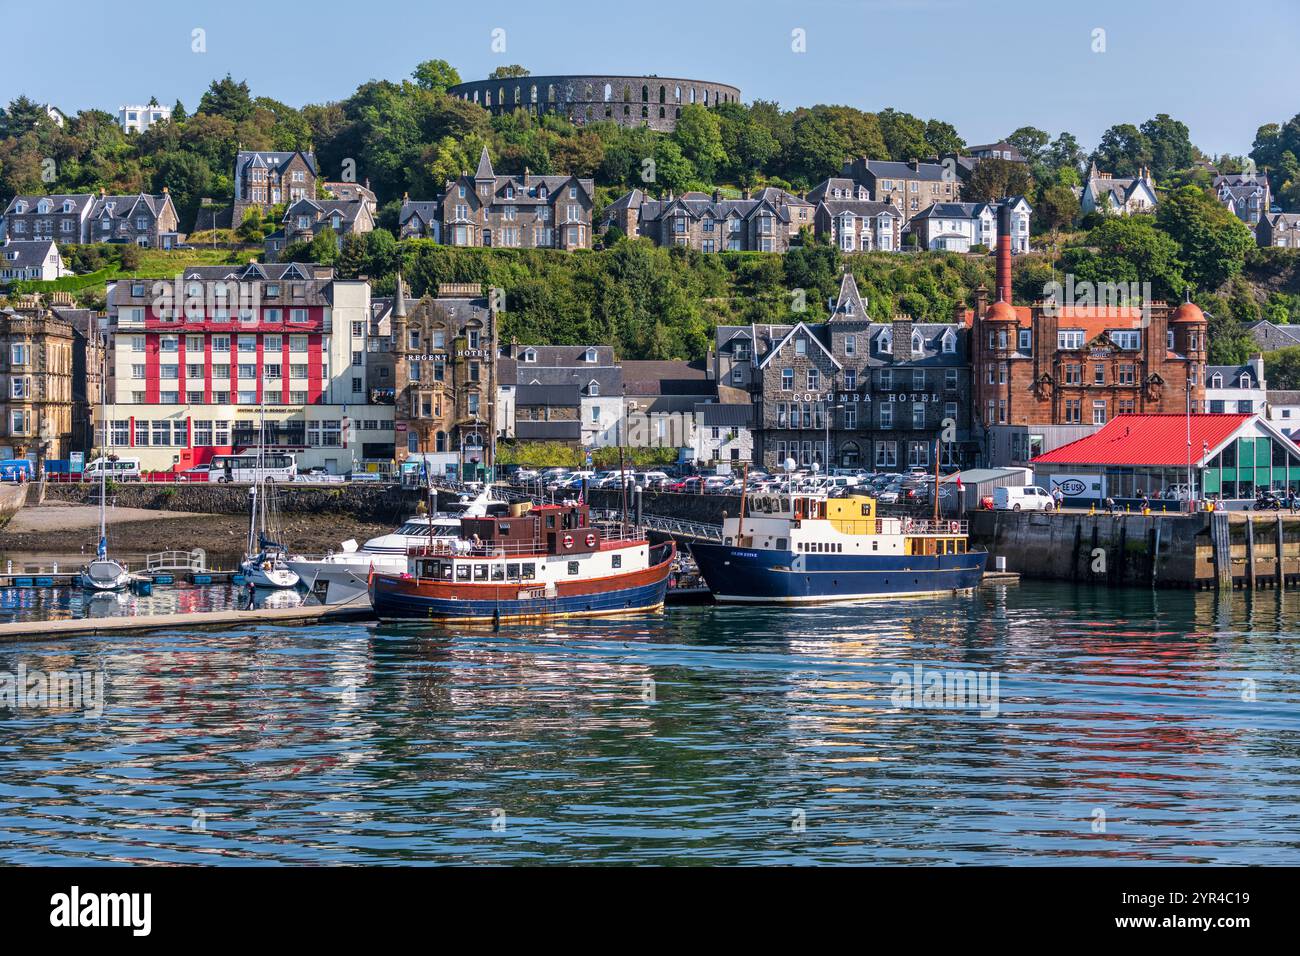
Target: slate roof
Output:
[
  {"x": 79, "y": 202},
  {"x": 1231, "y": 375},
  {"x": 124, "y": 207},
  {"x": 707, "y": 207},
  {"x": 887, "y": 169},
  {"x": 1269, "y": 336},
  {"x": 553, "y": 395},
  {"x": 527, "y": 185},
  {"x": 724, "y": 414},
  {"x": 827, "y": 187},
  {"x": 426, "y": 209},
  {"x": 860, "y": 207},
  {"x": 553, "y": 431},
  {"x": 646, "y": 378},
  {"x": 29, "y": 253}
]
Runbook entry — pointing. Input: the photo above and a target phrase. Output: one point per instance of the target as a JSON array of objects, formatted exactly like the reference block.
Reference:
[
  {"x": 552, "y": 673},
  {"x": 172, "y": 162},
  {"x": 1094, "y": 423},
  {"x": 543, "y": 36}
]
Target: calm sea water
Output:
[{"x": 1130, "y": 727}]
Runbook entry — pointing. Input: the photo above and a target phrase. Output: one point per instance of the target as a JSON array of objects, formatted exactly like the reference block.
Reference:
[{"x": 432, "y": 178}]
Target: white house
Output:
[
  {"x": 1284, "y": 411},
  {"x": 956, "y": 226},
  {"x": 137, "y": 119},
  {"x": 723, "y": 432},
  {"x": 1117, "y": 194},
  {"x": 31, "y": 259},
  {"x": 1236, "y": 389}
]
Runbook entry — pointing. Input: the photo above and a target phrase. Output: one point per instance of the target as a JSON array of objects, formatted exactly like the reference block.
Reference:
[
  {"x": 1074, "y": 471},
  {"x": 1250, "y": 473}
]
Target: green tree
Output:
[
  {"x": 1032, "y": 143},
  {"x": 228, "y": 99},
  {"x": 904, "y": 135},
  {"x": 1282, "y": 368},
  {"x": 1170, "y": 145},
  {"x": 1213, "y": 242},
  {"x": 699, "y": 135},
  {"x": 508, "y": 72},
  {"x": 993, "y": 179},
  {"x": 1057, "y": 207},
  {"x": 1123, "y": 150},
  {"x": 435, "y": 75}
]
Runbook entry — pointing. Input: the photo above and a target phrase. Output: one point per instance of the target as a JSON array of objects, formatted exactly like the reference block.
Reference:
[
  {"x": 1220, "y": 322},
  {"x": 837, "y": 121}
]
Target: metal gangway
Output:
[
  {"x": 193, "y": 560},
  {"x": 679, "y": 527}
]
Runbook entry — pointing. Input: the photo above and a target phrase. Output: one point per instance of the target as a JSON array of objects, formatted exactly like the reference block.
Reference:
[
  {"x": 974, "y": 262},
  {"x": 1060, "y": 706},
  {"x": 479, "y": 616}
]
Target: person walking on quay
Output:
[
  {"x": 1290, "y": 499},
  {"x": 1057, "y": 497},
  {"x": 1110, "y": 505}
]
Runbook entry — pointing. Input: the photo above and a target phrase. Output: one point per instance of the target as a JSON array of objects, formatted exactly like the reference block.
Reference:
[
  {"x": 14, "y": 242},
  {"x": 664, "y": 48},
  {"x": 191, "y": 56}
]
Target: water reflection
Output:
[{"x": 694, "y": 735}]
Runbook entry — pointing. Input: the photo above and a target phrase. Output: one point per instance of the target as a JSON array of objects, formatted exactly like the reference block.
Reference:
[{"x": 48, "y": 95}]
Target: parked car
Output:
[
  {"x": 1025, "y": 498},
  {"x": 197, "y": 473},
  {"x": 653, "y": 480}
]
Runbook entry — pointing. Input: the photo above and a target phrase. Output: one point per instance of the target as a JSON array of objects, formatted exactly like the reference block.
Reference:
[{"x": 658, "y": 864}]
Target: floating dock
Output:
[{"x": 22, "y": 631}]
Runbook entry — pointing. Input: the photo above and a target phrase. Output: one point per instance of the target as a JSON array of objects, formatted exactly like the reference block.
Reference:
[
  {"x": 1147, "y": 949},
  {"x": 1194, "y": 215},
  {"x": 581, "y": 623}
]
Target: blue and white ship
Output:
[{"x": 809, "y": 548}]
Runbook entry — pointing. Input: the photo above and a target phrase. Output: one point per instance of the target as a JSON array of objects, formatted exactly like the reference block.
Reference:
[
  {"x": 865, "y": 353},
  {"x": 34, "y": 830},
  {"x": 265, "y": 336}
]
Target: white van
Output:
[
  {"x": 119, "y": 468},
  {"x": 1027, "y": 498}
]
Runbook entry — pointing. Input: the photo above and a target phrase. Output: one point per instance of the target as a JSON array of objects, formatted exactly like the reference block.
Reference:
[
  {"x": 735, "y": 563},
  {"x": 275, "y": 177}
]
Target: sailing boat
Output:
[
  {"x": 265, "y": 564},
  {"x": 104, "y": 574}
]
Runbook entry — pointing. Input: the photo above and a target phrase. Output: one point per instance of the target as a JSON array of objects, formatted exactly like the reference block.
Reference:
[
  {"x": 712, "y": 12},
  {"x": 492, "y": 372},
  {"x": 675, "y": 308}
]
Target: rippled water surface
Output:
[{"x": 1130, "y": 727}]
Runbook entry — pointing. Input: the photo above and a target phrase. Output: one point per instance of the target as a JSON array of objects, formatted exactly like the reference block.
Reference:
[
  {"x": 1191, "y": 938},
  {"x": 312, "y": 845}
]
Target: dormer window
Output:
[
  {"x": 43, "y": 206},
  {"x": 949, "y": 342},
  {"x": 67, "y": 205},
  {"x": 918, "y": 344},
  {"x": 541, "y": 192},
  {"x": 529, "y": 355},
  {"x": 1216, "y": 380},
  {"x": 1246, "y": 380},
  {"x": 590, "y": 356},
  {"x": 885, "y": 343},
  {"x": 20, "y": 208},
  {"x": 593, "y": 388}
]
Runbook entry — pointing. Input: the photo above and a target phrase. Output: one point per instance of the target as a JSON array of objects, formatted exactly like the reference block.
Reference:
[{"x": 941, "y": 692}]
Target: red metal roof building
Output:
[{"x": 1231, "y": 455}]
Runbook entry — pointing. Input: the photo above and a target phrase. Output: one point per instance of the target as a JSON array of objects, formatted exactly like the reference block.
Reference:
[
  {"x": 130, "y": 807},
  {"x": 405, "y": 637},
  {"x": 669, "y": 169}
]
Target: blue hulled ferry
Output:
[{"x": 808, "y": 548}]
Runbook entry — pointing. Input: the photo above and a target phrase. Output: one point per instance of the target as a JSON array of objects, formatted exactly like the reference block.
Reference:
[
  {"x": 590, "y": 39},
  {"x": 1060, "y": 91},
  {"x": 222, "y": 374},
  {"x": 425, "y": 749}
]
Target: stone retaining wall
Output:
[{"x": 380, "y": 503}]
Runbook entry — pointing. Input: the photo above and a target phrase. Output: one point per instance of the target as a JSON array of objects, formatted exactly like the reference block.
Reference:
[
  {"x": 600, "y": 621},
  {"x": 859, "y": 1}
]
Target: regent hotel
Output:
[{"x": 196, "y": 362}]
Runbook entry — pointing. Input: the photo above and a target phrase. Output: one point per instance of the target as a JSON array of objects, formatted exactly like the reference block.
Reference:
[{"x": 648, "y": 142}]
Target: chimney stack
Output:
[{"x": 1004, "y": 253}]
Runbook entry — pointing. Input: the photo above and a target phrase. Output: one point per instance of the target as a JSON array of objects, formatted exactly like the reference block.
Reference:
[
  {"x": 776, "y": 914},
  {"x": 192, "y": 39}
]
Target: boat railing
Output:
[
  {"x": 461, "y": 548},
  {"x": 928, "y": 526}
]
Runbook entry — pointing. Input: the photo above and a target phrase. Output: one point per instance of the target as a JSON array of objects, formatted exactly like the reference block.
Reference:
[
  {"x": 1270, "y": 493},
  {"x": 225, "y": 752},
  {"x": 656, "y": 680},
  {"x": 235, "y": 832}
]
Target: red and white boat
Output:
[{"x": 537, "y": 562}]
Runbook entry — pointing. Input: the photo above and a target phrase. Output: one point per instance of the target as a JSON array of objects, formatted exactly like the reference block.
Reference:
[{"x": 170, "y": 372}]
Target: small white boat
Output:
[
  {"x": 269, "y": 570},
  {"x": 105, "y": 574}
]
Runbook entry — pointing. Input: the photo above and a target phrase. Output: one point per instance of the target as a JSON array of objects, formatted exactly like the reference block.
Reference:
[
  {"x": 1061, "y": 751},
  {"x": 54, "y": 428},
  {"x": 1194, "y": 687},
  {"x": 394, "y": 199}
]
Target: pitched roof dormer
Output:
[{"x": 849, "y": 304}]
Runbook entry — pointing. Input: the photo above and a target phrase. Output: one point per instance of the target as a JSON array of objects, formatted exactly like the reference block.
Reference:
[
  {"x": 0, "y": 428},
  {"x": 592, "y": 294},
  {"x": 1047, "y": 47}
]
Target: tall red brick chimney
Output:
[{"x": 1004, "y": 253}]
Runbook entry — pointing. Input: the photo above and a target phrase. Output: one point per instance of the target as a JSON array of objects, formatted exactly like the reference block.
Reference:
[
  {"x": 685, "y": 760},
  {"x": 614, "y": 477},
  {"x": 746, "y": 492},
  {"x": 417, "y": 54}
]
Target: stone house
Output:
[
  {"x": 912, "y": 186},
  {"x": 62, "y": 217},
  {"x": 307, "y": 218},
  {"x": 882, "y": 393},
  {"x": 520, "y": 211},
  {"x": 142, "y": 220},
  {"x": 706, "y": 223},
  {"x": 859, "y": 225},
  {"x": 444, "y": 375},
  {"x": 36, "y": 390},
  {"x": 266, "y": 178}
]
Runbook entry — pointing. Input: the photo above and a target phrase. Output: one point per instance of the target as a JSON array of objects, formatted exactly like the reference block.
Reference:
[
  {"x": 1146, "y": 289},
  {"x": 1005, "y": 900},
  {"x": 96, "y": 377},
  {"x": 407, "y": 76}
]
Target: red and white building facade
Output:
[{"x": 197, "y": 363}]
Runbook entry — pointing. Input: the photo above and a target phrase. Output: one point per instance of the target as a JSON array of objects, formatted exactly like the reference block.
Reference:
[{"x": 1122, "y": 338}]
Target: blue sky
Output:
[{"x": 987, "y": 66}]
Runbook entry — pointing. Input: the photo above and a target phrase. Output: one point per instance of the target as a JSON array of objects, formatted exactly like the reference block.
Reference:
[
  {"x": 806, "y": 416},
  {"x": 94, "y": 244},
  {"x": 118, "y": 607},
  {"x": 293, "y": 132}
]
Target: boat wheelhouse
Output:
[
  {"x": 546, "y": 561},
  {"x": 812, "y": 548}
]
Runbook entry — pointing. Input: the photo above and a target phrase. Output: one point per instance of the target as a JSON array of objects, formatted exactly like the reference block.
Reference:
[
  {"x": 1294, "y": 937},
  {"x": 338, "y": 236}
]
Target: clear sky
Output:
[{"x": 987, "y": 66}]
